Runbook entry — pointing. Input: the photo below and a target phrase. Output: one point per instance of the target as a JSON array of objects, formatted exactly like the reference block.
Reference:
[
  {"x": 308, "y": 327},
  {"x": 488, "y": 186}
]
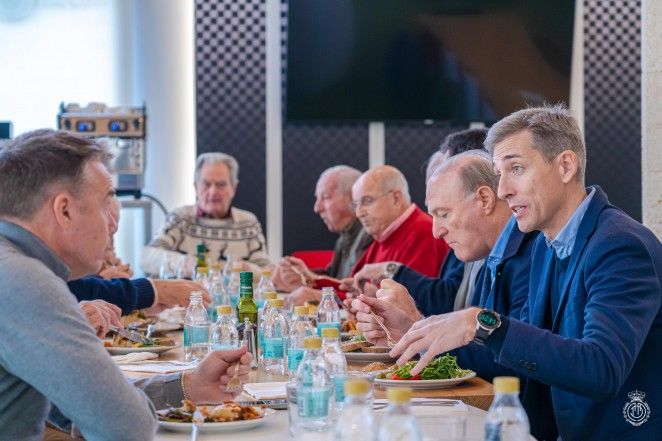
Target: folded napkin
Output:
[
  {"x": 422, "y": 407},
  {"x": 266, "y": 391},
  {"x": 134, "y": 357},
  {"x": 157, "y": 367}
]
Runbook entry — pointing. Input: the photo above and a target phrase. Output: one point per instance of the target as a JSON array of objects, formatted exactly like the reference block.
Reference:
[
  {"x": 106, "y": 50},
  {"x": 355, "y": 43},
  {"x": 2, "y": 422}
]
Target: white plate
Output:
[
  {"x": 124, "y": 351},
  {"x": 167, "y": 326},
  {"x": 424, "y": 384},
  {"x": 230, "y": 426},
  {"x": 368, "y": 357}
]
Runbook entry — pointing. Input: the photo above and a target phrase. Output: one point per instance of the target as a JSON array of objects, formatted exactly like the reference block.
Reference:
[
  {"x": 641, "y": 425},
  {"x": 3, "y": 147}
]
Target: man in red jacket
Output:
[{"x": 402, "y": 232}]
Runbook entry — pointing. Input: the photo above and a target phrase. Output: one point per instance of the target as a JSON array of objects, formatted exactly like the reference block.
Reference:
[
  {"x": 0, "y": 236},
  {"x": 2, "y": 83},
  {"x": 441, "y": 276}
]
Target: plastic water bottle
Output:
[
  {"x": 263, "y": 286},
  {"x": 276, "y": 333},
  {"x": 314, "y": 390},
  {"x": 196, "y": 329},
  {"x": 300, "y": 329},
  {"x": 337, "y": 363},
  {"x": 357, "y": 422},
  {"x": 224, "y": 334},
  {"x": 262, "y": 313},
  {"x": 217, "y": 293},
  {"x": 506, "y": 419},
  {"x": 328, "y": 313},
  {"x": 234, "y": 284},
  {"x": 399, "y": 423}
]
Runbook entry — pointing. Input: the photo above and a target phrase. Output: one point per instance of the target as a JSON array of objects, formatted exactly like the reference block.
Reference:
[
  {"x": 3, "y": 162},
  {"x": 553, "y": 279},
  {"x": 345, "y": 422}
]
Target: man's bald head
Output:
[{"x": 379, "y": 197}]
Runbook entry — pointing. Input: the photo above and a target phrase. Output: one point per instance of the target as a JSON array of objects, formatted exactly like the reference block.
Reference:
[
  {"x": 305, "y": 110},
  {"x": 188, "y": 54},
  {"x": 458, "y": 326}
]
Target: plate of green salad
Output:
[{"x": 439, "y": 373}]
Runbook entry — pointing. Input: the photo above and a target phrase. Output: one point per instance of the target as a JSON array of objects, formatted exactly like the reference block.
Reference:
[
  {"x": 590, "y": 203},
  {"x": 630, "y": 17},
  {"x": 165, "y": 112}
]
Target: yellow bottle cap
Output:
[
  {"x": 399, "y": 395},
  {"x": 330, "y": 333},
  {"x": 224, "y": 309},
  {"x": 277, "y": 303},
  {"x": 356, "y": 386},
  {"x": 202, "y": 269},
  {"x": 270, "y": 295},
  {"x": 506, "y": 385},
  {"x": 312, "y": 343},
  {"x": 216, "y": 266},
  {"x": 301, "y": 310},
  {"x": 266, "y": 272},
  {"x": 312, "y": 310}
]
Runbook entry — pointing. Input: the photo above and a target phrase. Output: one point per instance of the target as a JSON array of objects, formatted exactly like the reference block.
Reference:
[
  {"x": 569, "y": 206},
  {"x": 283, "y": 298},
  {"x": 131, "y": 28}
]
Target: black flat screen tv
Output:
[{"x": 416, "y": 60}]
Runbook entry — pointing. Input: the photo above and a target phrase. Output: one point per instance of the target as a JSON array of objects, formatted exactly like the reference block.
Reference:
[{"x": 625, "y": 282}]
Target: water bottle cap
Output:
[
  {"x": 270, "y": 295},
  {"x": 224, "y": 309},
  {"x": 301, "y": 310},
  {"x": 202, "y": 269},
  {"x": 506, "y": 385},
  {"x": 277, "y": 303},
  {"x": 312, "y": 310},
  {"x": 330, "y": 333},
  {"x": 399, "y": 395},
  {"x": 216, "y": 266},
  {"x": 236, "y": 267},
  {"x": 246, "y": 277},
  {"x": 266, "y": 272},
  {"x": 312, "y": 343},
  {"x": 357, "y": 386},
  {"x": 328, "y": 290}
]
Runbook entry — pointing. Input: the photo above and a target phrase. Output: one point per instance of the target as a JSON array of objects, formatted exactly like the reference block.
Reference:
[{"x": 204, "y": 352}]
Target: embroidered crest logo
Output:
[{"x": 636, "y": 411}]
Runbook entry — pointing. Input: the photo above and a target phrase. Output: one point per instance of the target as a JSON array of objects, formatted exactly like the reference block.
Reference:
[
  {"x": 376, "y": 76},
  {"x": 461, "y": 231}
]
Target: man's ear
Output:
[
  {"x": 62, "y": 208},
  {"x": 487, "y": 199},
  {"x": 568, "y": 165}
]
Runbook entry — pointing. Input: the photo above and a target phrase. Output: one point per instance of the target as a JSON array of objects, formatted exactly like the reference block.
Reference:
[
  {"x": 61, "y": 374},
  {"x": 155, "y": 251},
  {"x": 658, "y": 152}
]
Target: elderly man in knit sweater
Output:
[{"x": 224, "y": 230}]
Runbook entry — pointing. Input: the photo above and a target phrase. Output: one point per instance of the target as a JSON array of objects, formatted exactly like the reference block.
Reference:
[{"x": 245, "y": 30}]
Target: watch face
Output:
[{"x": 488, "y": 319}]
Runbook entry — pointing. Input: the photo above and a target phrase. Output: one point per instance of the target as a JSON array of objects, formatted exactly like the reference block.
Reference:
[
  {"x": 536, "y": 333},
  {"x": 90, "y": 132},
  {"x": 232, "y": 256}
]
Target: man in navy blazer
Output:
[{"x": 590, "y": 333}]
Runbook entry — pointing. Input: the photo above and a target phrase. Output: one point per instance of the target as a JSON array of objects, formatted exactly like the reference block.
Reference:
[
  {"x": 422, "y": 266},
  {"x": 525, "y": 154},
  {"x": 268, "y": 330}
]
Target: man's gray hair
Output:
[
  {"x": 35, "y": 164},
  {"x": 345, "y": 176},
  {"x": 474, "y": 169},
  {"x": 212, "y": 158},
  {"x": 552, "y": 129}
]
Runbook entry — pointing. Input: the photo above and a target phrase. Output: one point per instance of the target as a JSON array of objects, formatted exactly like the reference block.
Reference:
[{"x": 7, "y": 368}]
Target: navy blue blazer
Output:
[
  {"x": 606, "y": 336},
  {"x": 129, "y": 295},
  {"x": 433, "y": 295}
]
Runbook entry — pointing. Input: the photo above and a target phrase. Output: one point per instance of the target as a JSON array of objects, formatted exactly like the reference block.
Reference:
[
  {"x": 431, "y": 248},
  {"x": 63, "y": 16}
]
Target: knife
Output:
[
  {"x": 131, "y": 336},
  {"x": 273, "y": 404}
]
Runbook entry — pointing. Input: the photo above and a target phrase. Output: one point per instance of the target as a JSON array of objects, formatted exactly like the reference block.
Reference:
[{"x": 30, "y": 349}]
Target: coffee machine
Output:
[{"x": 123, "y": 130}]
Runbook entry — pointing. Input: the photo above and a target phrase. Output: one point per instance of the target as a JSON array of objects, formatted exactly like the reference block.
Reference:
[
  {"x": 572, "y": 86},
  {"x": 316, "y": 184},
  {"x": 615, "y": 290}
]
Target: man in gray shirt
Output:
[{"x": 55, "y": 194}]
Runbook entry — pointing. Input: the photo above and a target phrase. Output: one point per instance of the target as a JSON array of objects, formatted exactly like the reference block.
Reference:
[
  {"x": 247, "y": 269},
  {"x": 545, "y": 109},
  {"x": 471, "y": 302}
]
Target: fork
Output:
[
  {"x": 234, "y": 386},
  {"x": 196, "y": 421},
  {"x": 389, "y": 340}
]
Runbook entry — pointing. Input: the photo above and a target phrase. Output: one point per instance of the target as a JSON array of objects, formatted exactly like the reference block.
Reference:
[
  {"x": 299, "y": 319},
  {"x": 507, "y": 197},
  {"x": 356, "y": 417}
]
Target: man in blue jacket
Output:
[
  {"x": 591, "y": 330},
  {"x": 434, "y": 295}
]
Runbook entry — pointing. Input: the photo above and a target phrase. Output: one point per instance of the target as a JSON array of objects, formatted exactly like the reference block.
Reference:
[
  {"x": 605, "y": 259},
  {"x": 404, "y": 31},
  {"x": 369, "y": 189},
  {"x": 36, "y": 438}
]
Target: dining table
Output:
[{"x": 476, "y": 393}]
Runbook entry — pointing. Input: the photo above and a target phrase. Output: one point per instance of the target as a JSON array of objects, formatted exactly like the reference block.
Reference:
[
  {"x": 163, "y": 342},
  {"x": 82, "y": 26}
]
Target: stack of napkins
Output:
[
  {"x": 431, "y": 406},
  {"x": 266, "y": 391},
  {"x": 145, "y": 362}
]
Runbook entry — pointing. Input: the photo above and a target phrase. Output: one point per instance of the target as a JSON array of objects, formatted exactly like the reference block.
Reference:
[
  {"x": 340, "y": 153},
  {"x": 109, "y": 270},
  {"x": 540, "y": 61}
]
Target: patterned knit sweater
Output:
[{"x": 240, "y": 236}]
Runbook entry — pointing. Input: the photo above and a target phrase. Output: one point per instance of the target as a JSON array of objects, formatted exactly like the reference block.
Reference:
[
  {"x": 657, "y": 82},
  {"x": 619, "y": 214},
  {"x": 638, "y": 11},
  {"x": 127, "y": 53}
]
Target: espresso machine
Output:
[{"x": 123, "y": 130}]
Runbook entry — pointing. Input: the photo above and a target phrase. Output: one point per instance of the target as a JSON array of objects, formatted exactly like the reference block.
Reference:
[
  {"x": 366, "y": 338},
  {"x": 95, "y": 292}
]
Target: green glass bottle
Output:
[
  {"x": 246, "y": 307},
  {"x": 201, "y": 251}
]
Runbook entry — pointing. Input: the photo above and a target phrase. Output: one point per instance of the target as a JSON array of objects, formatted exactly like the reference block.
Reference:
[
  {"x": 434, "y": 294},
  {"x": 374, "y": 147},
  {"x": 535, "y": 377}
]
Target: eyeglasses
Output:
[{"x": 367, "y": 201}]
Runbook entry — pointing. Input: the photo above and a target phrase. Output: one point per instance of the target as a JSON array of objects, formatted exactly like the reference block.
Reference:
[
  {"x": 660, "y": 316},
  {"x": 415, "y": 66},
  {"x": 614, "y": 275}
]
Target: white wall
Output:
[{"x": 651, "y": 115}]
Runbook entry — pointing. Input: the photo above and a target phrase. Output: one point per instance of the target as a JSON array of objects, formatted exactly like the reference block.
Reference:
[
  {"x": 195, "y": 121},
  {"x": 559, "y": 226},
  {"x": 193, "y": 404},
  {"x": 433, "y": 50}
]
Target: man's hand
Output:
[
  {"x": 121, "y": 271},
  {"x": 101, "y": 315},
  {"x": 436, "y": 335},
  {"x": 302, "y": 294},
  {"x": 395, "y": 320},
  {"x": 372, "y": 271},
  {"x": 284, "y": 278},
  {"x": 398, "y": 296},
  {"x": 207, "y": 382},
  {"x": 175, "y": 292}
]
